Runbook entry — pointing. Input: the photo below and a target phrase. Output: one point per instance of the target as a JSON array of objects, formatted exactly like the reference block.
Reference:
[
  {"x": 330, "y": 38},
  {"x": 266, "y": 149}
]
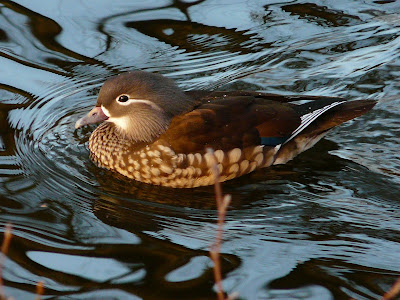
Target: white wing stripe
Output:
[{"x": 307, "y": 119}]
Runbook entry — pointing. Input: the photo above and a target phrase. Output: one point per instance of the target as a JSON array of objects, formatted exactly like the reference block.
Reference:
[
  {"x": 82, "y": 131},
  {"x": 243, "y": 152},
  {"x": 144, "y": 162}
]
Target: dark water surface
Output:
[{"x": 324, "y": 226}]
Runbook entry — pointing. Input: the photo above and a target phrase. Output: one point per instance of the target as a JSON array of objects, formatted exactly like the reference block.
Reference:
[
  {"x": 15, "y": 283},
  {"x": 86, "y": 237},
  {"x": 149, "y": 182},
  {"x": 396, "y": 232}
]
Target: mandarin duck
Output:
[{"x": 154, "y": 132}]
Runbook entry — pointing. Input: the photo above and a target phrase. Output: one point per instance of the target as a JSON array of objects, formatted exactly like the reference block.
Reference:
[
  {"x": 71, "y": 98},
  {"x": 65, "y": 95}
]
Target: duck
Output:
[{"x": 154, "y": 132}]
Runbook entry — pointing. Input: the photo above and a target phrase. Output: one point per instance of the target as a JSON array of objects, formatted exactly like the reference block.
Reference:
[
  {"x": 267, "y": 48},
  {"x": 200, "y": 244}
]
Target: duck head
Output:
[{"x": 139, "y": 104}]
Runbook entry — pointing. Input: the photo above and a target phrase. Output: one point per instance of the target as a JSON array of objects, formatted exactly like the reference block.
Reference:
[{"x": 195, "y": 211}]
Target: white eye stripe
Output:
[{"x": 133, "y": 101}]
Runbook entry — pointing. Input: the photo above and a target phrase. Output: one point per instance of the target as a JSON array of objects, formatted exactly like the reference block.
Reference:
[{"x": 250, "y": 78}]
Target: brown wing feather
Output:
[
  {"x": 230, "y": 123},
  {"x": 203, "y": 96}
]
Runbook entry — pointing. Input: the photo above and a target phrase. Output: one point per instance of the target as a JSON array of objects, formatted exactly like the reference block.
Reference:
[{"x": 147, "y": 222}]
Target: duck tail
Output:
[{"x": 317, "y": 120}]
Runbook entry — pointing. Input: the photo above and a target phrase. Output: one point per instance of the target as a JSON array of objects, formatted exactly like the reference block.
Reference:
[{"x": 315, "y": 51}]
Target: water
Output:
[{"x": 324, "y": 226}]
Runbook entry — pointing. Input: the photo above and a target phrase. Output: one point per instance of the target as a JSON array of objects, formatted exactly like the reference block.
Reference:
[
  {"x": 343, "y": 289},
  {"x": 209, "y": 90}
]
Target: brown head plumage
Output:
[{"x": 140, "y": 104}]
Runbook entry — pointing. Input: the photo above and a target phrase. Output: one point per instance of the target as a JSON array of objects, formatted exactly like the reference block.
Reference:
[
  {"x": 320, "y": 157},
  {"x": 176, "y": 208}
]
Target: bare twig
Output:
[
  {"x": 223, "y": 202},
  {"x": 393, "y": 292},
  {"x": 39, "y": 290},
  {"x": 4, "y": 250},
  {"x": 7, "y": 238}
]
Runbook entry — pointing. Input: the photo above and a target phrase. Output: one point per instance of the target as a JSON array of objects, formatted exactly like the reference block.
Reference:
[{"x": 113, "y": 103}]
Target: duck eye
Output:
[{"x": 123, "y": 98}]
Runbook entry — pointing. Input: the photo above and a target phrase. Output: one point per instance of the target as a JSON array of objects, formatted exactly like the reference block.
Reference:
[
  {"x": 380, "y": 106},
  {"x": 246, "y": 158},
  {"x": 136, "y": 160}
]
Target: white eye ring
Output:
[{"x": 123, "y": 98}]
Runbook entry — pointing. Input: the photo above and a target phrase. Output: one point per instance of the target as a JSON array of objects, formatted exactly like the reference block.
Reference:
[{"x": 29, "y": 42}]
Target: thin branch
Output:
[
  {"x": 39, "y": 290},
  {"x": 393, "y": 292},
  {"x": 222, "y": 206},
  {"x": 4, "y": 250}
]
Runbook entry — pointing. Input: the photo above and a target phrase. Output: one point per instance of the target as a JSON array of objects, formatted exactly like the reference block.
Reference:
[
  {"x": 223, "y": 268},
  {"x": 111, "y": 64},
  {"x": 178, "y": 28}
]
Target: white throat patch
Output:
[{"x": 121, "y": 122}]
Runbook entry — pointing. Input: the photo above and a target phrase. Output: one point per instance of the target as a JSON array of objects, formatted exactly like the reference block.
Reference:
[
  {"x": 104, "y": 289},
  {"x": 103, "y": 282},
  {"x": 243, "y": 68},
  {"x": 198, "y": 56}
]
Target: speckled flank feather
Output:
[{"x": 158, "y": 164}]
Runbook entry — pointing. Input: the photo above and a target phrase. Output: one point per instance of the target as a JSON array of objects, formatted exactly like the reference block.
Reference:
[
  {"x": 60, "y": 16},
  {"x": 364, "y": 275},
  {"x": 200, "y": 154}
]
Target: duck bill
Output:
[{"x": 96, "y": 115}]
